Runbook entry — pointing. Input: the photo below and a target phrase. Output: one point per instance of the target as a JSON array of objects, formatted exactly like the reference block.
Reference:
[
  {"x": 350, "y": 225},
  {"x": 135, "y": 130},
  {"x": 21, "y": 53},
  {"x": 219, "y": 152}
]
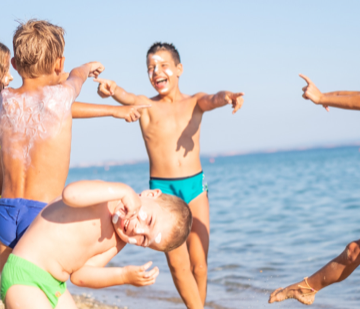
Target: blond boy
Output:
[
  {"x": 77, "y": 234},
  {"x": 35, "y": 128},
  {"x": 171, "y": 131}
]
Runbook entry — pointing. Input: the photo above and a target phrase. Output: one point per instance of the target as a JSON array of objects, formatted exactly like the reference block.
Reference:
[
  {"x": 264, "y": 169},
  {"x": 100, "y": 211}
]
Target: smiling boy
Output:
[
  {"x": 77, "y": 234},
  {"x": 171, "y": 131}
]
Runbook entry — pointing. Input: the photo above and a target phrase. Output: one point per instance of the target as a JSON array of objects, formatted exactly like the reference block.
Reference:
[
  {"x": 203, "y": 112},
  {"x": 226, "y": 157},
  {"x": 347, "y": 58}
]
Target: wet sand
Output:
[{"x": 86, "y": 302}]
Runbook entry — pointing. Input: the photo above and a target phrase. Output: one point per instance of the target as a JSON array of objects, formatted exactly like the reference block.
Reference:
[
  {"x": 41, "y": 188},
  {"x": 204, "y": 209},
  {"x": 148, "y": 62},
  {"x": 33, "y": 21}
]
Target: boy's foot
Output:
[{"x": 300, "y": 291}]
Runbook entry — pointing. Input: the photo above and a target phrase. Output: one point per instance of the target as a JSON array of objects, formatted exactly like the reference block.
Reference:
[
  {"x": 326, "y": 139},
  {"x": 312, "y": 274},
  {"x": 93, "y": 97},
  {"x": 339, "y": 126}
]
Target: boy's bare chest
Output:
[{"x": 166, "y": 118}]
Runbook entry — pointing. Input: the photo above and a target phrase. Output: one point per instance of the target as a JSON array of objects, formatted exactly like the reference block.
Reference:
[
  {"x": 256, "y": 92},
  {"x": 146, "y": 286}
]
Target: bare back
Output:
[
  {"x": 35, "y": 131},
  {"x": 171, "y": 131}
]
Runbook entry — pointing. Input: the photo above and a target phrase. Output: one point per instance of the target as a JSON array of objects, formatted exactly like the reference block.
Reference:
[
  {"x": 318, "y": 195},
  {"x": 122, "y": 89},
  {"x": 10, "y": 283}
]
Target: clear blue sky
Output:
[{"x": 257, "y": 47}]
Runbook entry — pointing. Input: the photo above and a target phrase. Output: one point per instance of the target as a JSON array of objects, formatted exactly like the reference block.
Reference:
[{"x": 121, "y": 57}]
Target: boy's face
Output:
[
  {"x": 151, "y": 227},
  {"x": 7, "y": 78},
  {"x": 163, "y": 73}
]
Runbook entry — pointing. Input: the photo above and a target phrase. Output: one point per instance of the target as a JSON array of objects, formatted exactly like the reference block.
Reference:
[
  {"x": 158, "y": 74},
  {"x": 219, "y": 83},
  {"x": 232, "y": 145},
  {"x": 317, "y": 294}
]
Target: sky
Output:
[{"x": 257, "y": 47}]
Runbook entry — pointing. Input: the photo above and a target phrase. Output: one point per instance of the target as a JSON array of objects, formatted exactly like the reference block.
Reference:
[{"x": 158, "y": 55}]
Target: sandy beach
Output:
[{"x": 85, "y": 302}]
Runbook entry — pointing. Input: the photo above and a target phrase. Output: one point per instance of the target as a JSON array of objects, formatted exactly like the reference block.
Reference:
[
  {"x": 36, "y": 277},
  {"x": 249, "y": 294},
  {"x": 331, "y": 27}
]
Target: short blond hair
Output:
[
  {"x": 183, "y": 219},
  {"x": 37, "y": 46},
  {"x": 4, "y": 62}
]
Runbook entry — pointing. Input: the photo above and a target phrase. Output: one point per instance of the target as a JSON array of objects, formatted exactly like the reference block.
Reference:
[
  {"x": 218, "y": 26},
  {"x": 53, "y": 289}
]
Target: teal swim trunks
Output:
[
  {"x": 187, "y": 188},
  {"x": 18, "y": 271}
]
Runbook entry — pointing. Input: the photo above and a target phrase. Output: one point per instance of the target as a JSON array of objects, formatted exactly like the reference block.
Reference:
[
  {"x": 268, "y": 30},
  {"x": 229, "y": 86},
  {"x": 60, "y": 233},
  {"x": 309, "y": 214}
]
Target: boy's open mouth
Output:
[
  {"x": 126, "y": 225},
  {"x": 161, "y": 83}
]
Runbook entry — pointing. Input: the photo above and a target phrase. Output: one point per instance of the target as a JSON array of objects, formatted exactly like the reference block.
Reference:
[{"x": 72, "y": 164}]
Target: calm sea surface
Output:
[{"x": 275, "y": 218}]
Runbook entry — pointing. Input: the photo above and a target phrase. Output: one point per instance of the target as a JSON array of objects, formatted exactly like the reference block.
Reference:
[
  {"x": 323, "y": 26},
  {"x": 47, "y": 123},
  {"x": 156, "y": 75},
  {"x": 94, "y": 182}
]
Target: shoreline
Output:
[{"x": 85, "y": 301}]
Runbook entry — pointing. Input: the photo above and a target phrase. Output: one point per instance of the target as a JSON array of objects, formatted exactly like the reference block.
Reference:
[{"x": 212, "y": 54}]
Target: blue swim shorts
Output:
[
  {"x": 16, "y": 214},
  {"x": 187, "y": 188}
]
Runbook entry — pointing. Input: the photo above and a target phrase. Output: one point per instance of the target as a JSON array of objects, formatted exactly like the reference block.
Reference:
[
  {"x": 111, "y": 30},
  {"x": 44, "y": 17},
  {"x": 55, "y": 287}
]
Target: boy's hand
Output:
[
  {"x": 132, "y": 204},
  {"x": 311, "y": 92},
  {"x": 106, "y": 87},
  {"x": 95, "y": 69},
  {"x": 129, "y": 113},
  {"x": 235, "y": 99},
  {"x": 138, "y": 276}
]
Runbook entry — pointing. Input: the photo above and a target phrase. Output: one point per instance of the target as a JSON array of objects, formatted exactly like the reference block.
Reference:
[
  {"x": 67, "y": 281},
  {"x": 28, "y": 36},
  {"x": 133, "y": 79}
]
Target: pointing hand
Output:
[
  {"x": 311, "y": 92},
  {"x": 106, "y": 87},
  {"x": 235, "y": 99}
]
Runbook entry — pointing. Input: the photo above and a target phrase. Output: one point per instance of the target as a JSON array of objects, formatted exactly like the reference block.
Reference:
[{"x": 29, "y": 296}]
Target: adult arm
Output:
[
  {"x": 339, "y": 99},
  {"x": 208, "y": 102}
]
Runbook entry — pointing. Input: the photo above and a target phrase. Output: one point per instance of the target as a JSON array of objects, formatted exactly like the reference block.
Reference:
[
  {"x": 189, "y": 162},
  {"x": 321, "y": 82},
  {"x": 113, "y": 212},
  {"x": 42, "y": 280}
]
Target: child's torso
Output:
[
  {"x": 35, "y": 137},
  {"x": 62, "y": 239},
  {"x": 171, "y": 133}
]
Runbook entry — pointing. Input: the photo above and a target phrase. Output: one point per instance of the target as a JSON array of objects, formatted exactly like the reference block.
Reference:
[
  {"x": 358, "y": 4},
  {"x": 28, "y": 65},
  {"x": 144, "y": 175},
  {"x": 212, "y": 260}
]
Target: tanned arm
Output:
[
  {"x": 91, "y": 192},
  {"x": 78, "y": 76},
  {"x": 208, "y": 102},
  {"x": 94, "y": 274},
  {"x": 87, "y": 110},
  {"x": 339, "y": 99},
  {"x": 108, "y": 88}
]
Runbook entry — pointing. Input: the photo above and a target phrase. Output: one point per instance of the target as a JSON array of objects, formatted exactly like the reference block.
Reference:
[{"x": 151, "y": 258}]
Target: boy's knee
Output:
[
  {"x": 353, "y": 251},
  {"x": 200, "y": 270}
]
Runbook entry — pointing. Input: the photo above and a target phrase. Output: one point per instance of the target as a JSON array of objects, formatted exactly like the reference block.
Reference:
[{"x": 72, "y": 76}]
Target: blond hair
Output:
[
  {"x": 4, "y": 62},
  {"x": 37, "y": 46},
  {"x": 183, "y": 219}
]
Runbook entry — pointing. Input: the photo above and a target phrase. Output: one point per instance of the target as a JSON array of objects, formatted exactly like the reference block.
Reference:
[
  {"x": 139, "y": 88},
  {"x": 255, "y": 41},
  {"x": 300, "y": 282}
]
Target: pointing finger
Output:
[
  {"x": 307, "y": 79},
  {"x": 99, "y": 80}
]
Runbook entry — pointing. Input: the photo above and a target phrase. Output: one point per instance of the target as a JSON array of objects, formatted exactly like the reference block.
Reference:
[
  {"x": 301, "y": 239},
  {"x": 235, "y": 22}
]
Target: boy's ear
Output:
[
  {"x": 59, "y": 65},
  {"x": 151, "y": 193},
  {"x": 179, "y": 69},
  {"x": 13, "y": 63}
]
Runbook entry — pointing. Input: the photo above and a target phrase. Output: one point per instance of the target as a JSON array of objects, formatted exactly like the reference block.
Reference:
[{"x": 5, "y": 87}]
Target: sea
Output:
[{"x": 275, "y": 218}]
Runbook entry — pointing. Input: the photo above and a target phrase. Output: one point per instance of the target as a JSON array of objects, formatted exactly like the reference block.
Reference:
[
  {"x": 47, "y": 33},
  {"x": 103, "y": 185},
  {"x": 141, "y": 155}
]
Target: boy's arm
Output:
[
  {"x": 340, "y": 99},
  {"x": 79, "y": 75},
  {"x": 94, "y": 274},
  {"x": 208, "y": 102},
  {"x": 108, "y": 88},
  {"x": 86, "y": 110},
  {"x": 91, "y": 192}
]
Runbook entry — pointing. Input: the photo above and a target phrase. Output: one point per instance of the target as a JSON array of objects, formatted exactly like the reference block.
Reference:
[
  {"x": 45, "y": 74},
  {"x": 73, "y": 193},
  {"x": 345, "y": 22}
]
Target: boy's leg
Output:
[
  {"x": 198, "y": 241},
  {"x": 335, "y": 271},
  {"x": 188, "y": 263},
  {"x": 180, "y": 267},
  {"x": 4, "y": 254},
  {"x": 66, "y": 301},
  {"x": 26, "y": 297}
]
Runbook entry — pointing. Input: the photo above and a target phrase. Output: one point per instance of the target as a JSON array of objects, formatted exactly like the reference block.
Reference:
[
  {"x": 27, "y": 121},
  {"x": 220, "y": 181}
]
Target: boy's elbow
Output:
[
  {"x": 77, "y": 280},
  {"x": 69, "y": 195}
]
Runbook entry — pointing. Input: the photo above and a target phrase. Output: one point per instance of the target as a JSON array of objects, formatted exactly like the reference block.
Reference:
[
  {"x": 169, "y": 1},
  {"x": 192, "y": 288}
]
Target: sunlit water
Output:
[{"x": 275, "y": 218}]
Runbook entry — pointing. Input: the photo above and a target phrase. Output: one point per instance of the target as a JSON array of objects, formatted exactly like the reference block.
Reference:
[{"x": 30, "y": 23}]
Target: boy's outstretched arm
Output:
[
  {"x": 87, "y": 110},
  {"x": 340, "y": 99},
  {"x": 94, "y": 274},
  {"x": 108, "y": 88},
  {"x": 208, "y": 102},
  {"x": 91, "y": 192},
  {"x": 79, "y": 75}
]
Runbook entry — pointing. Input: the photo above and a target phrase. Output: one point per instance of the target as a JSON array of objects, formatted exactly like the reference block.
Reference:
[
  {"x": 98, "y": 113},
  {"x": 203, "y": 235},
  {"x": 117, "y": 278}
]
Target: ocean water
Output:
[{"x": 275, "y": 218}]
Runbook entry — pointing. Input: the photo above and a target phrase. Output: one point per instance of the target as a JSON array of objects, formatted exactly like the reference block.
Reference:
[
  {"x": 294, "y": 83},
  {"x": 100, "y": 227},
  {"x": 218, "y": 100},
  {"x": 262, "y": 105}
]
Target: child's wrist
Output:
[
  {"x": 121, "y": 273},
  {"x": 321, "y": 99}
]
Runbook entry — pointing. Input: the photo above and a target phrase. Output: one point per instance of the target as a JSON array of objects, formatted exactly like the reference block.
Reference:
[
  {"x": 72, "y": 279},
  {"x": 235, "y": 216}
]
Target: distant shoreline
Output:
[{"x": 107, "y": 164}]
